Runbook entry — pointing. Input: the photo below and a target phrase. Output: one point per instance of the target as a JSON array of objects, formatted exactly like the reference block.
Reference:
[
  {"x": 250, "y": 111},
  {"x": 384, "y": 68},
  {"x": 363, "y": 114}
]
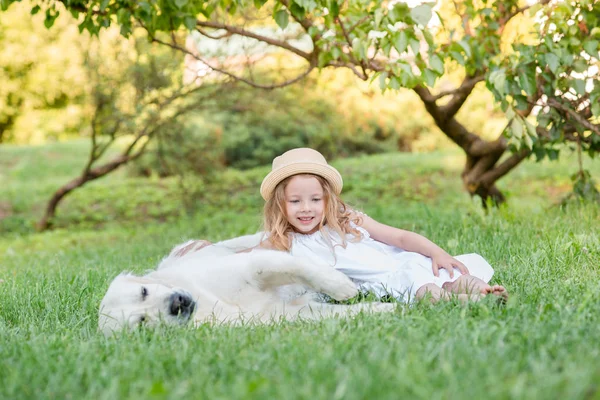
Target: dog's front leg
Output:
[{"x": 271, "y": 269}]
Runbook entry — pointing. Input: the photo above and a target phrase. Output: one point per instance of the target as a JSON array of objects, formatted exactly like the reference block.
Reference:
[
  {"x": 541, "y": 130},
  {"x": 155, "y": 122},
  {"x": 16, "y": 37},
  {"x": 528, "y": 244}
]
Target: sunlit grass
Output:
[{"x": 542, "y": 344}]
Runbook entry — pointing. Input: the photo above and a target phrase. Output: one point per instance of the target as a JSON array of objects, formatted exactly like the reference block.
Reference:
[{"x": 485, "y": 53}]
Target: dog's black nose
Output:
[{"x": 181, "y": 304}]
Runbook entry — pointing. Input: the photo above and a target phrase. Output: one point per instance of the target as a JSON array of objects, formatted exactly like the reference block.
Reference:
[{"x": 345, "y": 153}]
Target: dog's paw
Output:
[{"x": 339, "y": 287}]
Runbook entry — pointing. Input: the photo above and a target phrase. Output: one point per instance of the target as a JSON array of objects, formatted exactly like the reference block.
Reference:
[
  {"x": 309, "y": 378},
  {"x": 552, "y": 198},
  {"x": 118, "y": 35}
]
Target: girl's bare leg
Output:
[
  {"x": 436, "y": 293},
  {"x": 470, "y": 284}
]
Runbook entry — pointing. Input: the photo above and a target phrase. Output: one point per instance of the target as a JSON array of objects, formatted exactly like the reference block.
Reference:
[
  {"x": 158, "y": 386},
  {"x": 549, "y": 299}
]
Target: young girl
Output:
[{"x": 305, "y": 216}]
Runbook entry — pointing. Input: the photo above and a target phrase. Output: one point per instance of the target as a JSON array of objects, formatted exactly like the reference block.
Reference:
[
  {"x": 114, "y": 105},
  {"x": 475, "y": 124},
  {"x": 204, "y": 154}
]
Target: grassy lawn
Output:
[{"x": 542, "y": 344}]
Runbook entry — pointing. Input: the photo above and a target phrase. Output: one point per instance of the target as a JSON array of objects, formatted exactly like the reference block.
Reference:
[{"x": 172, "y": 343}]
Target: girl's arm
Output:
[
  {"x": 265, "y": 244},
  {"x": 414, "y": 242}
]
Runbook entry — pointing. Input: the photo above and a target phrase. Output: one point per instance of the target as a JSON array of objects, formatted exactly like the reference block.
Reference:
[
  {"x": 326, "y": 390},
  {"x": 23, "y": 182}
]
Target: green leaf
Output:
[
  {"x": 334, "y": 8},
  {"x": 324, "y": 58},
  {"x": 580, "y": 66},
  {"x": 144, "y": 5},
  {"x": 465, "y": 46},
  {"x": 125, "y": 30},
  {"x": 579, "y": 86},
  {"x": 209, "y": 9},
  {"x": 231, "y": 10},
  {"x": 378, "y": 16},
  {"x": 553, "y": 62},
  {"x": 181, "y": 3},
  {"x": 382, "y": 81},
  {"x": 375, "y": 76},
  {"x": 308, "y": 5},
  {"x": 282, "y": 18},
  {"x": 573, "y": 41},
  {"x": 428, "y": 38},
  {"x": 421, "y": 14},
  {"x": 510, "y": 113},
  {"x": 591, "y": 47},
  {"x": 405, "y": 74},
  {"x": 530, "y": 129},
  {"x": 527, "y": 81},
  {"x": 394, "y": 83},
  {"x": 4, "y": 4},
  {"x": 528, "y": 141},
  {"x": 336, "y": 53},
  {"x": 458, "y": 57},
  {"x": 399, "y": 12},
  {"x": 123, "y": 16},
  {"x": 35, "y": 10},
  {"x": 566, "y": 58},
  {"x": 521, "y": 102},
  {"x": 517, "y": 128},
  {"x": 190, "y": 22},
  {"x": 401, "y": 42},
  {"x": 498, "y": 81},
  {"x": 50, "y": 18},
  {"x": 415, "y": 45},
  {"x": 297, "y": 11},
  {"x": 429, "y": 77},
  {"x": 596, "y": 109},
  {"x": 259, "y": 3},
  {"x": 437, "y": 64},
  {"x": 358, "y": 48}
]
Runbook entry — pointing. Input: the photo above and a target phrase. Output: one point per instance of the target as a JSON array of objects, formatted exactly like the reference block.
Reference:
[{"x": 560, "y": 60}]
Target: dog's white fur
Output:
[{"x": 215, "y": 284}]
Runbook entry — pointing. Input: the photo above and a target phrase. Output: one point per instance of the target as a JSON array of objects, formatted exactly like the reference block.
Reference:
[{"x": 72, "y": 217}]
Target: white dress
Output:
[{"x": 380, "y": 268}]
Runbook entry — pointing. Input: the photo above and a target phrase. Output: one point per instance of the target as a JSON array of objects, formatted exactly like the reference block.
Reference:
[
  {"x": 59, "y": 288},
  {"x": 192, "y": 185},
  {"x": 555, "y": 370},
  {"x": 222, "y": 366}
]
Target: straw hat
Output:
[{"x": 300, "y": 161}]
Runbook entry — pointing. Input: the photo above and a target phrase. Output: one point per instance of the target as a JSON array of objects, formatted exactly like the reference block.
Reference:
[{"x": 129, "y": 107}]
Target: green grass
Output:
[{"x": 542, "y": 344}]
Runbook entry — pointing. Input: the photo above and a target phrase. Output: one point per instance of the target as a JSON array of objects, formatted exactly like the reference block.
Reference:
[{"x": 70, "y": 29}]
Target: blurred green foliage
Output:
[
  {"x": 30, "y": 174},
  {"x": 42, "y": 80},
  {"x": 331, "y": 110}
]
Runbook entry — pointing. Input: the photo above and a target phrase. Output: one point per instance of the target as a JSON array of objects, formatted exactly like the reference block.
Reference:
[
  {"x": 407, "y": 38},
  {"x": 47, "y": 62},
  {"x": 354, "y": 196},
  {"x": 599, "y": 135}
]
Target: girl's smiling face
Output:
[{"x": 304, "y": 203}]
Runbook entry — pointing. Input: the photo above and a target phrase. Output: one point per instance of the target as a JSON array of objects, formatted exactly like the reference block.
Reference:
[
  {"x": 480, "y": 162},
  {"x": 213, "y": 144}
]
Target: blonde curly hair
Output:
[{"x": 336, "y": 215}]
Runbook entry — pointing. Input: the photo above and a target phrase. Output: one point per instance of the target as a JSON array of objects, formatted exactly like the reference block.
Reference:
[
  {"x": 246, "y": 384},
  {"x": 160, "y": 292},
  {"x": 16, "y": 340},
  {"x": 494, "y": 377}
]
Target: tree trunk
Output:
[
  {"x": 88, "y": 175},
  {"x": 482, "y": 170},
  {"x": 4, "y": 127},
  {"x": 46, "y": 221}
]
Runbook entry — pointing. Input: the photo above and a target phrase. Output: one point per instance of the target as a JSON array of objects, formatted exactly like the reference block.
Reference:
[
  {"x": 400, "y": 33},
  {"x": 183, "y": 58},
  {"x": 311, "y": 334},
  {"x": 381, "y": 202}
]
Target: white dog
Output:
[{"x": 215, "y": 284}]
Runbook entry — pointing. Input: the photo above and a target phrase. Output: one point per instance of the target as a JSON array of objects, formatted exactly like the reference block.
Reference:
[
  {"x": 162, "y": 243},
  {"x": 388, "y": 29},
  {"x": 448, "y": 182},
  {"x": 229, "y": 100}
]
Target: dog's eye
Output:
[{"x": 144, "y": 292}]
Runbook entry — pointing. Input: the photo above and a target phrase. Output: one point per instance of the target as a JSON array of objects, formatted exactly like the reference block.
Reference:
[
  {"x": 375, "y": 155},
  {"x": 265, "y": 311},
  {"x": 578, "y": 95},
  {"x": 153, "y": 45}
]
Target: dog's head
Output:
[{"x": 132, "y": 301}]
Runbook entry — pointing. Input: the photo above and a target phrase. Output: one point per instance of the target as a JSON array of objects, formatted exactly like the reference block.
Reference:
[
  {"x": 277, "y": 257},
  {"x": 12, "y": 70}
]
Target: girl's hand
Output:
[
  {"x": 192, "y": 246},
  {"x": 447, "y": 262}
]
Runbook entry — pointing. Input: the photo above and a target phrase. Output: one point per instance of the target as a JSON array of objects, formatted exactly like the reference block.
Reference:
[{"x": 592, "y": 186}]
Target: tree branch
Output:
[
  {"x": 505, "y": 167},
  {"x": 214, "y": 37},
  {"x": 304, "y": 22},
  {"x": 459, "y": 95},
  {"x": 574, "y": 114},
  {"x": 231, "y": 75},
  {"x": 357, "y": 23},
  {"x": 464, "y": 85},
  {"x": 347, "y": 36},
  {"x": 351, "y": 67},
  {"x": 265, "y": 39},
  {"x": 504, "y": 21}
]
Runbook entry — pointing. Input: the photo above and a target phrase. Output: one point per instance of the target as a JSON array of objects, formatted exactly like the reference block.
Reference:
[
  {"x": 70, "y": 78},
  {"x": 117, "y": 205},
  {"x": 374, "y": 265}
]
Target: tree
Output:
[
  {"x": 136, "y": 96},
  {"x": 545, "y": 79}
]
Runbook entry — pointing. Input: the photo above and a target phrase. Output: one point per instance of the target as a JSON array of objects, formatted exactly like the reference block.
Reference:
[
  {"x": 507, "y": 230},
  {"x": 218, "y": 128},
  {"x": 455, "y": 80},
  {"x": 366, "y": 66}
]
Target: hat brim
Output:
[{"x": 326, "y": 171}]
